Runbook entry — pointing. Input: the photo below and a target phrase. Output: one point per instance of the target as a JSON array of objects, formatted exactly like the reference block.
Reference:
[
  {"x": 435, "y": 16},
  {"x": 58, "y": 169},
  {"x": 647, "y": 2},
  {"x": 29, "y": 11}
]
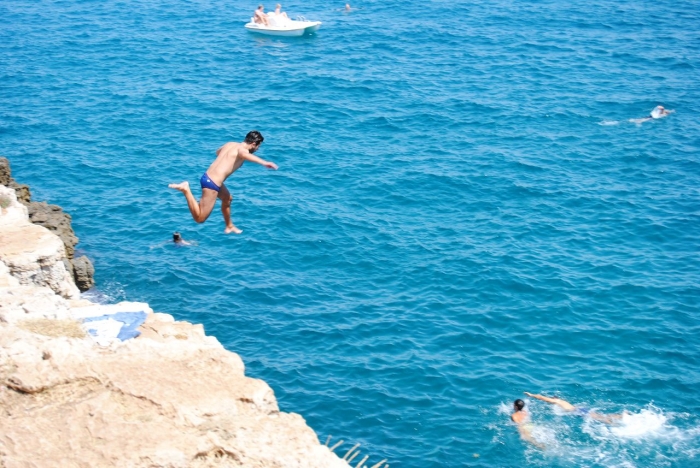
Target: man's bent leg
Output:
[
  {"x": 226, "y": 198},
  {"x": 200, "y": 211},
  {"x": 606, "y": 418}
]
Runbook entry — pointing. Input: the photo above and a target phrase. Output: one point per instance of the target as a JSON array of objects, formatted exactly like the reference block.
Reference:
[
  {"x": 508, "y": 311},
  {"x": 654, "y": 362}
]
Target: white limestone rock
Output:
[
  {"x": 15, "y": 213},
  {"x": 31, "y": 302},
  {"x": 35, "y": 256},
  {"x": 6, "y": 278},
  {"x": 31, "y": 253},
  {"x": 147, "y": 403}
]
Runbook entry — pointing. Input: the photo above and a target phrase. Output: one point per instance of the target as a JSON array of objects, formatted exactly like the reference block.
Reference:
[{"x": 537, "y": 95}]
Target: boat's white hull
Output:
[{"x": 290, "y": 29}]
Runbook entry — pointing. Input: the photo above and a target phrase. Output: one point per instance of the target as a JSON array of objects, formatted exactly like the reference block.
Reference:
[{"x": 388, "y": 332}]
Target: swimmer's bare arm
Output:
[
  {"x": 540, "y": 397},
  {"x": 555, "y": 401},
  {"x": 248, "y": 156}
]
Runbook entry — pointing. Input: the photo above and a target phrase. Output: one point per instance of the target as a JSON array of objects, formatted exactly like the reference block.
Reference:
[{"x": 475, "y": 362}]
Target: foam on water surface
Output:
[
  {"x": 571, "y": 440},
  {"x": 646, "y": 423}
]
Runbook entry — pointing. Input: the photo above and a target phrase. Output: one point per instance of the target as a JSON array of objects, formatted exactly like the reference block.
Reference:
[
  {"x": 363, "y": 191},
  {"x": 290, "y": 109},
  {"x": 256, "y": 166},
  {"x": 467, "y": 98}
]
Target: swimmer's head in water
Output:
[
  {"x": 518, "y": 404},
  {"x": 657, "y": 112},
  {"x": 177, "y": 237},
  {"x": 254, "y": 138}
]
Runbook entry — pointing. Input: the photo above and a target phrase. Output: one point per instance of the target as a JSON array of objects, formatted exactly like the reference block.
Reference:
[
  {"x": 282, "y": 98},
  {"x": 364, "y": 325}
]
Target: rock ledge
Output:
[
  {"x": 173, "y": 397},
  {"x": 55, "y": 220}
]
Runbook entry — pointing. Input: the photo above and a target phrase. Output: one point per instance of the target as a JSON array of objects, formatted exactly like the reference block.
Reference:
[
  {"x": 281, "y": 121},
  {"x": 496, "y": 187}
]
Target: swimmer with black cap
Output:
[
  {"x": 177, "y": 239},
  {"x": 522, "y": 419}
]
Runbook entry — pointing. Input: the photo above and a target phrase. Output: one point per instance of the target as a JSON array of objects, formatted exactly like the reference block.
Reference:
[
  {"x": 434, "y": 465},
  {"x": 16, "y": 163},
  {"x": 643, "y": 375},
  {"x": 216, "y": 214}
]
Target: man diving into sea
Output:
[{"x": 229, "y": 158}]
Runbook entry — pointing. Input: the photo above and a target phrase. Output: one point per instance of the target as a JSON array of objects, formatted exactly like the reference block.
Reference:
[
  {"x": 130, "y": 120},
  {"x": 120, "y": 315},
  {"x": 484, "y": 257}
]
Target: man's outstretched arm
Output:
[
  {"x": 541, "y": 397},
  {"x": 248, "y": 156},
  {"x": 555, "y": 401}
]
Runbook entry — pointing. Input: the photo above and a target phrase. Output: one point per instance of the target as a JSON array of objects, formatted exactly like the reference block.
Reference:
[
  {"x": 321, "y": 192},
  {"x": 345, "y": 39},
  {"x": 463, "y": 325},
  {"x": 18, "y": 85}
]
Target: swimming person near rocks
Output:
[
  {"x": 178, "y": 240},
  {"x": 229, "y": 158},
  {"x": 522, "y": 419},
  {"x": 578, "y": 410}
]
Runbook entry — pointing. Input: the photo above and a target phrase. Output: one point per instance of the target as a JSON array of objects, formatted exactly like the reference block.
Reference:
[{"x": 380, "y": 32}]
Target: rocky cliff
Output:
[
  {"x": 172, "y": 397},
  {"x": 55, "y": 220}
]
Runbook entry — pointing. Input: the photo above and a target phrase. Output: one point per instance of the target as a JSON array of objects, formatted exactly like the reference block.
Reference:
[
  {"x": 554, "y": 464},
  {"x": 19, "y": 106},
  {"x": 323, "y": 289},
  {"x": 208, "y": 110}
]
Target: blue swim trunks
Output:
[
  {"x": 582, "y": 411},
  {"x": 206, "y": 182}
]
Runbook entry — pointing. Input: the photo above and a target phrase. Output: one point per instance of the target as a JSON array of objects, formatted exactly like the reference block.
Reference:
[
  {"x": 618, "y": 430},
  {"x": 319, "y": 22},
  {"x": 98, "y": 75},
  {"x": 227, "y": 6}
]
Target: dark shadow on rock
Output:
[
  {"x": 55, "y": 220},
  {"x": 22, "y": 190},
  {"x": 84, "y": 273},
  {"x": 24, "y": 196},
  {"x": 5, "y": 173}
]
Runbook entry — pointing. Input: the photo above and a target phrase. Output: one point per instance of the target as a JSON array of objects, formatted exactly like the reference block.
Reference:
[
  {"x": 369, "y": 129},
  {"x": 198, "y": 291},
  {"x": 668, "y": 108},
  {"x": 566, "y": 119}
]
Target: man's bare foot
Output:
[
  {"x": 182, "y": 186},
  {"x": 232, "y": 229}
]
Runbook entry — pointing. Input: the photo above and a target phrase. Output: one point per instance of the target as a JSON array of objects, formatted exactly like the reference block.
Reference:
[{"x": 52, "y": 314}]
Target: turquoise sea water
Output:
[{"x": 463, "y": 210}]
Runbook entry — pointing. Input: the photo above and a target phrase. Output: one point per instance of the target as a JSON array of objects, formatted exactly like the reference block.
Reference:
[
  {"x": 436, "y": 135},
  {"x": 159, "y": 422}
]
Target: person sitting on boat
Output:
[
  {"x": 279, "y": 13},
  {"x": 278, "y": 17},
  {"x": 260, "y": 17}
]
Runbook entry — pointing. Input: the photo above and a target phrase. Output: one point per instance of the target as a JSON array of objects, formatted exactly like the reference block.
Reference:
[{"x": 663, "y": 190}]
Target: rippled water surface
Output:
[{"x": 463, "y": 210}]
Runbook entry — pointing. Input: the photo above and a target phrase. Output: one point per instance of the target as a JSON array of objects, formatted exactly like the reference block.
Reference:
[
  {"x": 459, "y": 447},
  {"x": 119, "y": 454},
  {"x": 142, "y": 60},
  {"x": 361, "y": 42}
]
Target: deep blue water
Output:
[{"x": 463, "y": 210}]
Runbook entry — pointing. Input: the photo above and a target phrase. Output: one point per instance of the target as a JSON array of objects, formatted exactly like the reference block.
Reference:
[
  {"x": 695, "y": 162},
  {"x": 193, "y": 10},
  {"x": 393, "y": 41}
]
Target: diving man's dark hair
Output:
[
  {"x": 254, "y": 137},
  {"x": 519, "y": 404}
]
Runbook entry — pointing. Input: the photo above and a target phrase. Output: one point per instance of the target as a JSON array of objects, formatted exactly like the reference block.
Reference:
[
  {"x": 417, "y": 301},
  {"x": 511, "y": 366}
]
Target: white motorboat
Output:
[{"x": 283, "y": 26}]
